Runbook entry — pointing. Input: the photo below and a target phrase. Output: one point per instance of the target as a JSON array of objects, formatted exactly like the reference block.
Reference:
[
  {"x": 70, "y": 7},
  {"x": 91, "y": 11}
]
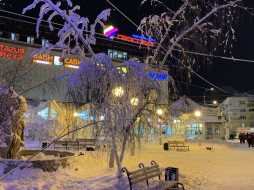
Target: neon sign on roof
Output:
[
  {"x": 143, "y": 38},
  {"x": 135, "y": 40},
  {"x": 110, "y": 32}
]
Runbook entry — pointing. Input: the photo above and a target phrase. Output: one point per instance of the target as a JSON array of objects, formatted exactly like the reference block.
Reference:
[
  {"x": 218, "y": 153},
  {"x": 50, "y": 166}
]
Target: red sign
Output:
[
  {"x": 10, "y": 52},
  {"x": 135, "y": 40}
]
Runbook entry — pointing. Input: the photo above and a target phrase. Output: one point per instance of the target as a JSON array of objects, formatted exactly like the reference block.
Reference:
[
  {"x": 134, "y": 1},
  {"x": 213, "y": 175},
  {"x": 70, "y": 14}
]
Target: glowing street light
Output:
[
  {"x": 75, "y": 114},
  {"x": 160, "y": 112},
  {"x": 118, "y": 91},
  {"x": 134, "y": 101},
  {"x": 215, "y": 102}
]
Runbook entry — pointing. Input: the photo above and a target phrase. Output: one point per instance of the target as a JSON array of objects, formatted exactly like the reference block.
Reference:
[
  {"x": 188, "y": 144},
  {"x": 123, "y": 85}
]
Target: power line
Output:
[
  {"x": 216, "y": 56},
  {"x": 190, "y": 52},
  {"x": 186, "y": 52},
  {"x": 196, "y": 53}
]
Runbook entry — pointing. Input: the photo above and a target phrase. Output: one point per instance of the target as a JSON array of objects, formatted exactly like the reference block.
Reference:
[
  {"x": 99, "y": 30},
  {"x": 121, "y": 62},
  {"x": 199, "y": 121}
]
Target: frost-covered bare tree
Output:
[
  {"x": 118, "y": 98},
  {"x": 185, "y": 27}
]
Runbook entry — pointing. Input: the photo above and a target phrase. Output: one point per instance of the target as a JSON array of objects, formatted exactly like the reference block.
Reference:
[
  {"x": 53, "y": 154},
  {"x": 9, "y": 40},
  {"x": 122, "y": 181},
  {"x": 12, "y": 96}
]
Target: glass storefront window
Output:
[
  {"x": 14, "y": 36},
  {"x": 30, "y": 40},
  {"x": 84, "y": 115},
  {"x": 44, "y": 113},
  {"x": 209, "y": 130},
  {"x": 117, "y": 54},
  {"x": 217, "y": 131}
]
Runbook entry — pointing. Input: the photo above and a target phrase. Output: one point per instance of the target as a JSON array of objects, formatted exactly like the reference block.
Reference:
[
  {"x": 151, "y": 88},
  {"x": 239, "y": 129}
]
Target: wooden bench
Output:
[
  {"x": 66, "y": 144},
  {"x": 144, "y": 178},
  {"x": 178, "y": 144},
  {"x": 60, "y": 144},
  {"x": 88, "y": 144}
]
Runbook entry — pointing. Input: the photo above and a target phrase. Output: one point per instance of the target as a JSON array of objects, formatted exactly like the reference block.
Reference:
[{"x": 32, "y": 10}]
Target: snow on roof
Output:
[{"x": 184, "y": 105}]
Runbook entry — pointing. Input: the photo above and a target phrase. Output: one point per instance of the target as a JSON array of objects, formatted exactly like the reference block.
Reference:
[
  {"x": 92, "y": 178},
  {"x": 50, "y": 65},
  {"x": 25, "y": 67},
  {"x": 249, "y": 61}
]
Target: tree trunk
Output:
[
  {"x": 132, "y": 147},
  {"x": 123, "y": 147},
  {"x": 112, "y": 158}
]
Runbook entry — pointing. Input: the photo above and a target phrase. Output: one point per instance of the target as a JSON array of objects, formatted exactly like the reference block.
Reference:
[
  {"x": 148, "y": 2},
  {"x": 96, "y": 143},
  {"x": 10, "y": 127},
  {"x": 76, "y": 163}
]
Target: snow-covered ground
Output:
[{"x": 228, "y": 166}]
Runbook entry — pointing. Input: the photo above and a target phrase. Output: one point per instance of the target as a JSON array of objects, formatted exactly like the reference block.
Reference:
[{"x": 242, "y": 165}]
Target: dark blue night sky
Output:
[{"x": 234, "y": 76}]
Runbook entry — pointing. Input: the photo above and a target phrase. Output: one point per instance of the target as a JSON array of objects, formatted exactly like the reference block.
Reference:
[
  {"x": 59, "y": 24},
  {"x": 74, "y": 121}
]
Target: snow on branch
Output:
[
  {"x": 191, "y": 26},
  {"x": 71, "y": 35}
]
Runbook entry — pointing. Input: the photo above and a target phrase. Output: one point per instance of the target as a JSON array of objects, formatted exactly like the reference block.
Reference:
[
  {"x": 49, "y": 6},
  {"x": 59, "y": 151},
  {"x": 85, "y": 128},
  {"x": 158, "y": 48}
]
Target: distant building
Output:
[
  {"x": 208, "y": 124},
  {"x": 238, "y": 112}
]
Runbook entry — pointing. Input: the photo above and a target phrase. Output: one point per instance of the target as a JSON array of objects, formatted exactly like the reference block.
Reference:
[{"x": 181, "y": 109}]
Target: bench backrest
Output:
[
  {"x": 63, "y": 142},
  {"x": 86, "y": 141},
  {"x": 153, "y": 171},
  {"x": 72, "y": 143},
  {"x": 143, "y": 174},
  {"x": 176, "y": 142},
  {"x": 136, "y": 176}
]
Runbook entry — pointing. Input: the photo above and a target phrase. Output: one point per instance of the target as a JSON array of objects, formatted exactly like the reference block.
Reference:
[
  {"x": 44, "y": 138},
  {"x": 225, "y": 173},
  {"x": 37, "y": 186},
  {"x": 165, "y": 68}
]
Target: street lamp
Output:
[
  {"x": 160, "y": 112},
  {"x": 75, "y": 114},
  {"x": 204, "y": 94},
  {"x": 215, "y": 102},
  {"x": 118, "y": 91},
  {"x": 134, "y": 101},
  {"x": 198, "y": 114}
]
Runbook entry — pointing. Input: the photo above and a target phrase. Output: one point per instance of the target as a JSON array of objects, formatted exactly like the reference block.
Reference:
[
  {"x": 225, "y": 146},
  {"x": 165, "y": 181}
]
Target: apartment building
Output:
[{"x": 238, "y": 112}]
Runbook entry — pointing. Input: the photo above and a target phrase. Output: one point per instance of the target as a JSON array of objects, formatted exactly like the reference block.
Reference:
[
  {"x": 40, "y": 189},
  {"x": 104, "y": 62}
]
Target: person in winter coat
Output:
[
  {"x": 252, "y": 139},
  {"x": 249, "y": 140},
  {"x": 241, "y": 138}
]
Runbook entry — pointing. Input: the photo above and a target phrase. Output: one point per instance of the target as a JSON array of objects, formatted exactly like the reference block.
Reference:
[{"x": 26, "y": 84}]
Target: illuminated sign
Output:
[
  {"x": 72, "y": 63},
  {"x": 58, "y": 61},
  {"x": 135, "y": 40},
  {"x": 122, "y": 69},
  {"x": 43, "y": 59},
  {"x": 110, "y": 32},
  {"x": 10, "y": 52},
  {"x": 158, "y": 76},
  {"x": 143, "y": 38}
]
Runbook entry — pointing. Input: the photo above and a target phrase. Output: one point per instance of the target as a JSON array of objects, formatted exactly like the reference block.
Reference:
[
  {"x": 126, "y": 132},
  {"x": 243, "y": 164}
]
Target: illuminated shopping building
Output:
[{"x": 36, "y": 77}]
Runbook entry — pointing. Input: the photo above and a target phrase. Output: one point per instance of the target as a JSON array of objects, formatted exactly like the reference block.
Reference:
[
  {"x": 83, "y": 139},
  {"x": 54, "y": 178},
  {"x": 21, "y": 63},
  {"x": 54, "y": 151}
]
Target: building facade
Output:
[
  {"x": 42, "y": 77},
  {"x": 238, "y": 112}
]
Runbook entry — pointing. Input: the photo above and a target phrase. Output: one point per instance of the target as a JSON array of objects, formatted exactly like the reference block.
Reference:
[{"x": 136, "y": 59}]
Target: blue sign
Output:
[
  {"x": 143, "y": 38},
  {"x": 158, "y": 76}
]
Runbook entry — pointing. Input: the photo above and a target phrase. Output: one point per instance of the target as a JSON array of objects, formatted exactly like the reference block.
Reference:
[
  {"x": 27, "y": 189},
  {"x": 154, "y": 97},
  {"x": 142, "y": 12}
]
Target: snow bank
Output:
[{"x": 227, "y": 166}]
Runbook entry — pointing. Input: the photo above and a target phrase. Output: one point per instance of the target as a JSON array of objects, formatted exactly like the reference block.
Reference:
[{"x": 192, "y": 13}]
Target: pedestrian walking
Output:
[{"x": 249, "y": 140}]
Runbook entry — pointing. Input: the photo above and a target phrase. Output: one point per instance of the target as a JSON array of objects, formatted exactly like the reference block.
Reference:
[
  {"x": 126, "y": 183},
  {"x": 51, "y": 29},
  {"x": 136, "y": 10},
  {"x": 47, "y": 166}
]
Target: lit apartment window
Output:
[
  {"x": 243, "y": 124},
  {"x": 30, "y": 39},
  {"x": 14, "y": 36},
  {"x": 44, "y": 42}
]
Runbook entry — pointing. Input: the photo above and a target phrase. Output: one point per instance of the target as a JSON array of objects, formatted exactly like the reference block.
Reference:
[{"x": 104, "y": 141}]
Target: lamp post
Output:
[
  {"x": 75, "y": 114},
  {"x": 160, "y": 112},
  {"x": 204, "y": 94},
  {"x": 198, "y": 114}
]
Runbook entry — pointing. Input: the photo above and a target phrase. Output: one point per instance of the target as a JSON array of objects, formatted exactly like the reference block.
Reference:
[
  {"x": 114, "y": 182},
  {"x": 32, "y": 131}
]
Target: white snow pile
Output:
[{"x": 227, "y": 166}]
